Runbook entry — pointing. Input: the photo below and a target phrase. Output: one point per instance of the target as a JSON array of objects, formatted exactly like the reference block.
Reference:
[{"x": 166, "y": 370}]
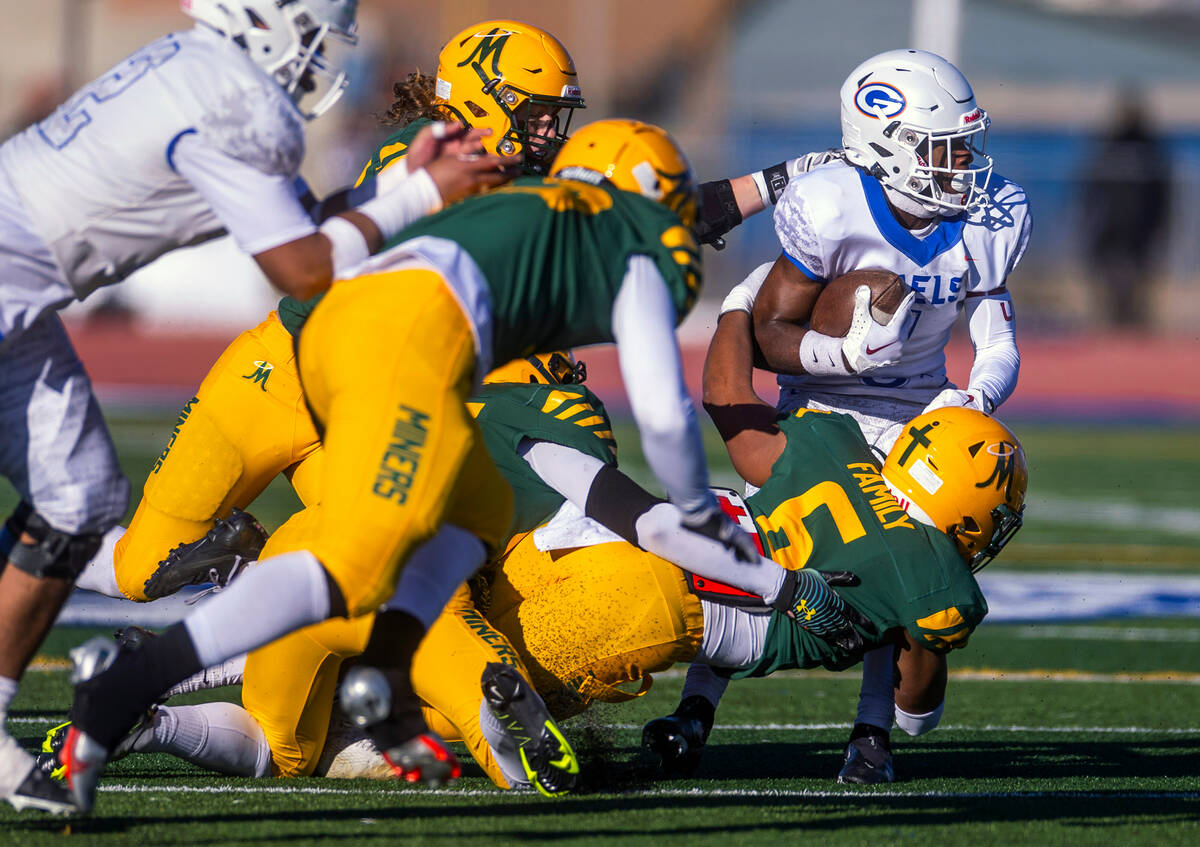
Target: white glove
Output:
[
  {"x": 971, "y": 398},
  {"x": 804, "y": 164},
  {"x": 869, "y": 345},
  {"x": 718, "y": 526},
  {"x": 741, "y": 296}
]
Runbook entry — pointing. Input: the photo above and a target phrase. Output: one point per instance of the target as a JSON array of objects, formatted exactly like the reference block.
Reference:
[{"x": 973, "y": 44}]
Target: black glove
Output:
[
  {"x": 716, "y": 525},
  {"x": 806, "y": 596},
  {"x": 718, "y": 213}
]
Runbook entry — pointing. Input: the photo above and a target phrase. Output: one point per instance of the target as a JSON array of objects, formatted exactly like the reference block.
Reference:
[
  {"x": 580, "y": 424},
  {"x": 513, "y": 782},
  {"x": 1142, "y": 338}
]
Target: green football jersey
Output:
[
  {"x": 826, "y": 506},
  {"x": 554, "y": 253},
  {"x": 569, "y": 415},
  {"x": 292, "y": 312}
]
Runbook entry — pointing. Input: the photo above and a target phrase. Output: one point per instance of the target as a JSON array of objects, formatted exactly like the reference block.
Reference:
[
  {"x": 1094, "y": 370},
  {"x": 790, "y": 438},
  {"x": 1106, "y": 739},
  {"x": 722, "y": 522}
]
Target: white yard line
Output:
[{"x": 382, "y": 788}]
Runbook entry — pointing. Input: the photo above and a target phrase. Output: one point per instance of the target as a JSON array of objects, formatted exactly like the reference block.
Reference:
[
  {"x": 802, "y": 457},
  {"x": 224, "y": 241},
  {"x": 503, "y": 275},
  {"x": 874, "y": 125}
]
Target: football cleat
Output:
[
  {"x": 546, "y": 756},
  {"x": 215, "y": 558},
  {"x": 47, "y": 758},
  {"x": 133, "y": 637},
  {"x": 425, "y": 759},
  {"x": 868, "y": 762},
  {"x": 82, "y": 756},
  {"x": 36, "y": 790},
  {"x": 678, "y": 739}
]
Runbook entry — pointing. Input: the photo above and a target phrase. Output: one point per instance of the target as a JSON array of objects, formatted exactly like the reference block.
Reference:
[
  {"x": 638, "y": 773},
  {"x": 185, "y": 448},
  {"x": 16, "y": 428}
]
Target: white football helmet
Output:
[
  {"x": 287, "y": 39},
  {"x": 904, "y": 113}
]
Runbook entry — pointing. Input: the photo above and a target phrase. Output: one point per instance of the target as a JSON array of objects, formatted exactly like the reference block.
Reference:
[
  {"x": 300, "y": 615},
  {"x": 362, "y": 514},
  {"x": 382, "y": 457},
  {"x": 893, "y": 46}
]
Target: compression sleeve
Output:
[
  {"x": 643, "y": 321},
  {"x": 260, "y": 210},
  {"x": 991, "y": 323}
]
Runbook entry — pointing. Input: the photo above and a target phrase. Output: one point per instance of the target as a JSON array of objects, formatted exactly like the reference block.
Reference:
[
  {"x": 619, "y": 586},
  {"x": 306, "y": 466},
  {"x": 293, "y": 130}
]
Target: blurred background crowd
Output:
[{"x": 1095, "y": 108}]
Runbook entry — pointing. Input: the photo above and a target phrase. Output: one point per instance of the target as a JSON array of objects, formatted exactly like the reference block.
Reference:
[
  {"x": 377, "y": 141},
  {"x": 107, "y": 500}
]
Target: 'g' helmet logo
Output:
[{"x": 879, "y": 100}]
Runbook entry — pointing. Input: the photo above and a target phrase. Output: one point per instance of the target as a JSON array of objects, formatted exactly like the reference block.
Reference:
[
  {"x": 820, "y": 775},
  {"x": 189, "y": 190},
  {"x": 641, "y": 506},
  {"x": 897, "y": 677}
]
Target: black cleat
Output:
[
  {"x": 132, "y": 637},
  {"x": 215, "y": 558},
  {"x": 868, "y": 761},
  {"x": 546, "y": 755},
  {"x": 678, "y": 739}
]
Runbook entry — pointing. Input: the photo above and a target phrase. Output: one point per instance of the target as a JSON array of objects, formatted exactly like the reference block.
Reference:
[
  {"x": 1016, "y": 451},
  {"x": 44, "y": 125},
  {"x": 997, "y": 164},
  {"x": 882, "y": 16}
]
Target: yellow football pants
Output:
[
  {"x": 290, "y": 684},
  {"x": 246, "y": 424},
  {"x": 387, "y": 361}
]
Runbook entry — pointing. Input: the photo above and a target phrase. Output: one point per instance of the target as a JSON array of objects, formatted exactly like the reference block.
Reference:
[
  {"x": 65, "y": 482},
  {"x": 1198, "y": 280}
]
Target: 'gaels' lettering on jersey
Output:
[{"x": 931, "y": 289}]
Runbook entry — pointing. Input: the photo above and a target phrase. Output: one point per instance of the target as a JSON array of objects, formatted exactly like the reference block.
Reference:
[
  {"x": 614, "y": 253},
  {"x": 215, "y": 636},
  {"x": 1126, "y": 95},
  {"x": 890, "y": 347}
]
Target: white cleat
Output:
[{"x": 35, "y": 790}]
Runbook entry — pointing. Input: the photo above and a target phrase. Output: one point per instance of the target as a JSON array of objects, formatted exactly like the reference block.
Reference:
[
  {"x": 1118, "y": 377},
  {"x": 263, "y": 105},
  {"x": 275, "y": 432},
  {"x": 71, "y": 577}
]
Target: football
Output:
[{"x": 835, "y": 305}]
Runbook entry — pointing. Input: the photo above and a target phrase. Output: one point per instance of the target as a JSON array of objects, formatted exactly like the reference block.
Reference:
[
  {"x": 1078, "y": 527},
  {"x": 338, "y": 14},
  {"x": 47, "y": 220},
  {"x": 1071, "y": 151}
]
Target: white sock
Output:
[
  {"x": 100, "y": 575},
  {"x": 919, "y": 724},
  {"x": 239, "y": 619},
  {"x": 876, "y": 698},
  {"x": 433, "y": 573},
  {"x": 702, "y": 680},
  {"x": 218, "y": 736},
  {"x": 505, "y": 750},
  {"x": 8, "y": 690},
  {"x": 228, "y": 672}
]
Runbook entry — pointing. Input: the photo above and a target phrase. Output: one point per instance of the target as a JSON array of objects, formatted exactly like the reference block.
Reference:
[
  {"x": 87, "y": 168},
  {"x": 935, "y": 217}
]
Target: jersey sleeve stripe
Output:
[
  {"x": 994, "y": 292},
  {"x": 804, "y": 269}
]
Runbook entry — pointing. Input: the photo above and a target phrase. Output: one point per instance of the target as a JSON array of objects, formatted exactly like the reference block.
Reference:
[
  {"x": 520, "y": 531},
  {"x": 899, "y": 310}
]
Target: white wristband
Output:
[
  {"x": 760, "y": 183},
  {"x": 408, "y": 201},
  {"x": 391, "y": 175},
  {"x": 821, "y": 355},
  {"x": 348, "y": 246}
]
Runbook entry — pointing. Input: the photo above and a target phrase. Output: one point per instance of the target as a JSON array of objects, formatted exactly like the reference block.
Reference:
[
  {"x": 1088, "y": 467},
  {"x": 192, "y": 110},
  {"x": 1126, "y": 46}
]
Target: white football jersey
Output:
[
  {"x": 97, "y": 179},
  {"x": 835, "y": 219}
]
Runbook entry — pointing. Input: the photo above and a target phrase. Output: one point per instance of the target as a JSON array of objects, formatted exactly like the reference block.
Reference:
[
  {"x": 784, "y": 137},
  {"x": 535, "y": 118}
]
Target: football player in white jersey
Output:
[
  {"x": 915, "y": 194},
  {"x": 197, "y": 134}
]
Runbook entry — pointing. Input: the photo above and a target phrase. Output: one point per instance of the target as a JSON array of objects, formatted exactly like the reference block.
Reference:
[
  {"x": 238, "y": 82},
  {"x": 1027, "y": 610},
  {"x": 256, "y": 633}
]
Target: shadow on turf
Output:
[{"x": 487, "y": 816}]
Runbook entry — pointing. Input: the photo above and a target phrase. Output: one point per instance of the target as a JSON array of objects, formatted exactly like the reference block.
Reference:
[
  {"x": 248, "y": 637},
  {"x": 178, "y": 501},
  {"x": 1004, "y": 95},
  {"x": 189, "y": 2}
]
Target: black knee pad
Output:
[{"x": 53, "y": 554}]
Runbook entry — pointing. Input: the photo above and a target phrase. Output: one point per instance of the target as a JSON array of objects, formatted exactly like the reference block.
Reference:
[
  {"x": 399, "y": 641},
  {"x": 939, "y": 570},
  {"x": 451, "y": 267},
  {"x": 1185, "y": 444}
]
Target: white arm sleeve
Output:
[
  {"x": 991, "y": 323},
  {"x": 643, "y": 322},
  {"x": 260, "y": 210}
]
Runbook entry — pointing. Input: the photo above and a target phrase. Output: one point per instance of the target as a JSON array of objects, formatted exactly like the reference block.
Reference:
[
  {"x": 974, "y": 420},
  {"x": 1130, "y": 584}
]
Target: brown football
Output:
[{"x": 835, "y": 306}]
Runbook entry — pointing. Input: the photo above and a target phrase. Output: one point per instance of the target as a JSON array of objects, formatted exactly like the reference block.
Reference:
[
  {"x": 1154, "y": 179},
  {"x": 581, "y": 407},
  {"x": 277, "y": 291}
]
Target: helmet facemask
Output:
[{"x": 931, "y": 178}]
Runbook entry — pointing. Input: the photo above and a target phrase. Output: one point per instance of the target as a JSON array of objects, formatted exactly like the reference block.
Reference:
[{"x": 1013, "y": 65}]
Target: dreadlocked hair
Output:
[{"x": 414, "y": 99}]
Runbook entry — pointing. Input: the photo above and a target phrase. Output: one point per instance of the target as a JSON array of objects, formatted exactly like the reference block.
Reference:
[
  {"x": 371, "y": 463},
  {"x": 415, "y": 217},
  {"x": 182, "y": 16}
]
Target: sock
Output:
[
  {"x": 919, "y": 724},
  {"x": 109, "y": 704},
  {"x": 433, "y": 573},
  {"x": 505, "y": 750},
  {"x": 394, "y": 640},
  {"x": 228, "y": 672},
  {"x": 8, "y": 690},
  {"x": 237, "y": 620},
  {"x": 100, "y": 575},
  {"x": 876, "y": 704},
  {"x": 703, "y": 682},
  {"x": 221, "y": 737}
]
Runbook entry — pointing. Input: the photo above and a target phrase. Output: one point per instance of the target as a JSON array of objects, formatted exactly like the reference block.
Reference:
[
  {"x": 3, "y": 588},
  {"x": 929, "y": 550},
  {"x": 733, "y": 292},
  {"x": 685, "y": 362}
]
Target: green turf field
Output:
[{"x": 1054, "y": 733}]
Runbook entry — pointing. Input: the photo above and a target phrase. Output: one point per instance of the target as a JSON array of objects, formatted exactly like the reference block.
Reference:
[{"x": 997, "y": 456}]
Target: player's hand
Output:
[
  {"x": 869, "y": 345},
  {"x": 971, "y": 398},
  {"x": 716, "y": 525},
  {"x": 454, "y": 158},
  {"x": 807, "y": 597}
]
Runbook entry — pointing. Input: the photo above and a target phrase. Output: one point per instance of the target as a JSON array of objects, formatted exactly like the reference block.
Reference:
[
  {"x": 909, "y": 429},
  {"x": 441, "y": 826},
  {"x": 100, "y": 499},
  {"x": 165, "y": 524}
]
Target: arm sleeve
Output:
[
  {"x": 643, "y": 322},
  {"x": 260, "y": 210},
  {"x": 991, "y": 323}
]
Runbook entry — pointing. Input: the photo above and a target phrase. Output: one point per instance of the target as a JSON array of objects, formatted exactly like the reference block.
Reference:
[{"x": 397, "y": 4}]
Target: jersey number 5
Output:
[{"x": 790, "y": 543}]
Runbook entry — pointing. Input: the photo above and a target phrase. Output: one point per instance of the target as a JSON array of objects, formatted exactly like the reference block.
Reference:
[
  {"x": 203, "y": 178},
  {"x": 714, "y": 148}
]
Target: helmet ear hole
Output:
[
  {"x": 475, "y": 109},
  {"x": 970, "y": 524}
]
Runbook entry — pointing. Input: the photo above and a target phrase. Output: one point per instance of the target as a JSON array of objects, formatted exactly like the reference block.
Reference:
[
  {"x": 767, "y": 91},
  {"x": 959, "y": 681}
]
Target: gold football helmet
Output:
[
  {"x": 516, "y": 80},
  {"x": 633, "y": 156},
  {"x": 963, "y": 472},
  {"x": 558, "y": 368}
]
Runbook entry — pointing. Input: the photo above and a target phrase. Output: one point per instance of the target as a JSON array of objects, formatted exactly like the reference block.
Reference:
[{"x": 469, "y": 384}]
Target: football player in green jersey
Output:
[
  {"x": 824, "y": 502},
  {"x": 603, "y": 253}
]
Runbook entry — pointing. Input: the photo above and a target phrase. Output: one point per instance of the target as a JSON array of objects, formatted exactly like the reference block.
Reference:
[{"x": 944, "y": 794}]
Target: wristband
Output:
[
  {"x": 409, "y": 200},
  {"x": 770, "y": 183},
  {"x": 821, "y": 355},
  {"x": 347, "y": 245}
]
